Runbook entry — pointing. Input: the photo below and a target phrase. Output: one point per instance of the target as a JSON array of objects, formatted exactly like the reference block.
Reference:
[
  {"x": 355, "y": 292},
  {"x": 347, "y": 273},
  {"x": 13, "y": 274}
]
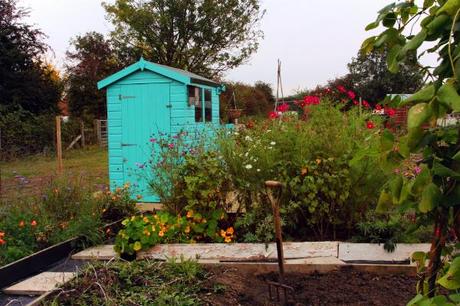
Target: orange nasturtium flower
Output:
[
  {"x": 230, "y": 230},
  {"x": 21, "y": 224},
  {"x": 161, "y": 233},
  {"x": 33, "y": 223},
  {"x": 2, "y": 242},
  {"x": 2, "y": 234},
  {"x": 187, "y": 229},
  {"x": 139, "y": 197},
  {"x": 190, "y": 214}
]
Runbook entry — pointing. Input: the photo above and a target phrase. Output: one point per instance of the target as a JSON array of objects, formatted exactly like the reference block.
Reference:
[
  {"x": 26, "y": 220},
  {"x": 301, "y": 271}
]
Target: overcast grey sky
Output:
[{"x": 314, "y": 39}]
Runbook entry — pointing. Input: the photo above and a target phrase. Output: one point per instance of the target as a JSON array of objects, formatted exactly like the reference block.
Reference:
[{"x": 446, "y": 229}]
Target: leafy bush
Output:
[
  {"x": 320, "y": 161},
  {"x": 142, "y": 232}
]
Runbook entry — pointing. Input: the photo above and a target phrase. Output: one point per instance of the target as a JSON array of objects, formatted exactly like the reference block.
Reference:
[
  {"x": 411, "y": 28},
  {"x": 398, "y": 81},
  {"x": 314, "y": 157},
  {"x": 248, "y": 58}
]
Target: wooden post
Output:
[
  {"x": 59, "y": 145},
  {"x": 82, "y": 133}
]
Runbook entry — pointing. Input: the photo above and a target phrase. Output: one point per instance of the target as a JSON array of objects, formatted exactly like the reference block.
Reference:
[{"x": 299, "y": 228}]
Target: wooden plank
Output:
[
  {"x": 241, "y": 251},
  {"x": 371, "y": 252},
  {"x": 40, "y": 283},
  {"x": 101, "y": 252}
]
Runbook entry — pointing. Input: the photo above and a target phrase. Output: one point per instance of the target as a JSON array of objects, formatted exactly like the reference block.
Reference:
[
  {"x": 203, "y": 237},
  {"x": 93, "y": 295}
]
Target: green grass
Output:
[{"x": 91, "y": 161}]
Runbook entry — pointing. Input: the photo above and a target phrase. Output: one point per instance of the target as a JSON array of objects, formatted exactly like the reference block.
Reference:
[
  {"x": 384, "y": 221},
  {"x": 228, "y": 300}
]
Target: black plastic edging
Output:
[{"x": 41, "y": 260}]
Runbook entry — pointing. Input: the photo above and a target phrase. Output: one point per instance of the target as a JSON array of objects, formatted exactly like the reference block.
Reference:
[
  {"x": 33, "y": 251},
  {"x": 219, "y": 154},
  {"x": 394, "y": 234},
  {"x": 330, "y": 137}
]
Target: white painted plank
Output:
[
  {"x": 368, "y": 252},
  {"x": 40, "y": 283}
]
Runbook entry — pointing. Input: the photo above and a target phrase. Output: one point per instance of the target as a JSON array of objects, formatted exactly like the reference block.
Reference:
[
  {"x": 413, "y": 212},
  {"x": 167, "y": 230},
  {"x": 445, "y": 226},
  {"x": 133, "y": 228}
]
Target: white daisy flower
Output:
[{"x": 248, "y": 166}]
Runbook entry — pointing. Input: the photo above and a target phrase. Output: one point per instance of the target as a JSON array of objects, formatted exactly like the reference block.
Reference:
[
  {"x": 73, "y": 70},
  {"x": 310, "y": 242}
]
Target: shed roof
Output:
[{"x": 179, "y": 75}]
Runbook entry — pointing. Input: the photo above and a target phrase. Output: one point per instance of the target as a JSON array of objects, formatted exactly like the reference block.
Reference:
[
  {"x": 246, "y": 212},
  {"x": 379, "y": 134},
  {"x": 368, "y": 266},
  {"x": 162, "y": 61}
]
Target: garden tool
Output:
[{"x": 274, "y": 190}]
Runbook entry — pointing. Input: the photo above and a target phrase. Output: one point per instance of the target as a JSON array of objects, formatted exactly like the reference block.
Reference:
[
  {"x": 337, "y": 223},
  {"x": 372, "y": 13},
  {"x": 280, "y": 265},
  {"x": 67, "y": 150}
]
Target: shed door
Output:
[{"x": 145, "y": 111}]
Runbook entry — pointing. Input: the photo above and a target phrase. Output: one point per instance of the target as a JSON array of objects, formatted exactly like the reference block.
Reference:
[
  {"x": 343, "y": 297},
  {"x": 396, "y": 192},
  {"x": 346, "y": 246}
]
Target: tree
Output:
[
  {"x": 372, "y": 81},
  {"x": 206, "y": 37},
  {"x": 26, "y": 82},
  {"x": 92, "y": 59},
  {"x": 433, "y": 195}
]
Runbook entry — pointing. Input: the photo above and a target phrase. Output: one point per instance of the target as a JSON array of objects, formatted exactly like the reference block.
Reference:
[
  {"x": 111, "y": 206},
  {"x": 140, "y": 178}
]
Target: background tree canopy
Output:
[
  {"x": 206, "y": 36},
  {"x": 92, "y": 58},
  {"x": 26, "y": 82}
]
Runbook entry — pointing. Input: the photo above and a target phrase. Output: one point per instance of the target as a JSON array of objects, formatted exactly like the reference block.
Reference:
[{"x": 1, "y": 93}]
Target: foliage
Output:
[
  {"x": 145, "y": 282},
  {"x": 93, "y": 58},
  {"x": 434, "y": 193},
  {"x": 319, "y": 160},
  {"x": 26, "y": 81},
  {"x": 254, "y": 100},
  {"x": 63, "y": 211},
  {"x": 206, "y": 37},
  {"x": 142, "y": 232},
  {"x": 373, "y": 82}
]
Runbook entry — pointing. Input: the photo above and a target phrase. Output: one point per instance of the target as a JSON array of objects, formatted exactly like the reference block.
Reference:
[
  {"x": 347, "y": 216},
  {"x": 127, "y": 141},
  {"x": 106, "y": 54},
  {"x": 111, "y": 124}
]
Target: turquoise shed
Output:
[{"x": 144, "y": 99}]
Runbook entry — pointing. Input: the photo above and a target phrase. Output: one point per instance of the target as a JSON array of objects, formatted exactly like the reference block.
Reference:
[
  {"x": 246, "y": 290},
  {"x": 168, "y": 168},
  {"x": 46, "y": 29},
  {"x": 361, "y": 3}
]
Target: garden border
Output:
[{"x": 39, "y": 261}]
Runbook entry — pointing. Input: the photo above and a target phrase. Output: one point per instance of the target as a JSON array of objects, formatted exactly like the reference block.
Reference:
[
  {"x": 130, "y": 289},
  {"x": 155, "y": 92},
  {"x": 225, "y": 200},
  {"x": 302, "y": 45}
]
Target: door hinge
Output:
[
  {"x": 169, "y": 106},
  {"x": 128, "y": 144}
]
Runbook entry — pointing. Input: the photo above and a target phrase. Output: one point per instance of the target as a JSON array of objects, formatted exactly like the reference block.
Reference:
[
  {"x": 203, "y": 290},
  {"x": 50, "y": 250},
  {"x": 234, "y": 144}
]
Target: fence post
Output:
[
  {"x": 59, "y": 145},
  {"x": 82, "y": 132}
]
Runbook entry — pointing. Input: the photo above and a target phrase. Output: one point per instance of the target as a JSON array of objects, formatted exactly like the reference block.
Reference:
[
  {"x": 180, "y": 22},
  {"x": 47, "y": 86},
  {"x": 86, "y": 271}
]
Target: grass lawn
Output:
[{"x": 92, "y": 160}]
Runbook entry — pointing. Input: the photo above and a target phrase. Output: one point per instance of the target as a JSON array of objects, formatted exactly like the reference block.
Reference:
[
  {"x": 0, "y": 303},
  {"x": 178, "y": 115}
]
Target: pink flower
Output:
[
  {"x": 341, "y": 89},
  {"x": 351, "y": 94},
  {"x": 171, "y": 146},
  {"x": 417, "y": 170},
  {"x": 273, "y": 115},
  {"x": 282, "y": 108},
  {"x": 153, "y": 140}
]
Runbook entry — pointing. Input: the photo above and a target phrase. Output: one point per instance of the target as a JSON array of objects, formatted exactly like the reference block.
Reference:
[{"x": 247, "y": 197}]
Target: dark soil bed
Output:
[
  {"x": 344, "y": 287},
  {"x": 156, "y": 283}
]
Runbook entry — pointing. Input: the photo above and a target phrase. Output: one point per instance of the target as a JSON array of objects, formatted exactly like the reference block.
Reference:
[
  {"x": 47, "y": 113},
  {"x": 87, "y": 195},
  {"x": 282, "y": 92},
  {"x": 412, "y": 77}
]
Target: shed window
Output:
[
  {"x": 199, "y": 106},
  {"x": 207, "y": 105}
]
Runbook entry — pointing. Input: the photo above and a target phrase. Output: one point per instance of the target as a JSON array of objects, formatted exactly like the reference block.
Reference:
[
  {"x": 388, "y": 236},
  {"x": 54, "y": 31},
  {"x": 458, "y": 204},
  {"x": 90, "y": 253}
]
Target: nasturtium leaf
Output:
[
  {"x": 450, "y": 7},
  {"x": 418, "y": 298},
  {"x": 425, "y": 94},
  {"x": 448, "y": 95},
  {"x": 451, "y": 280},
  {"x": 418, "y": 115},
  {"x": 385, "y": 202},
  {"x": 455, "y": 298},
  {"x": 431, "y": 197},
  {"x": 422, "y": 179}
]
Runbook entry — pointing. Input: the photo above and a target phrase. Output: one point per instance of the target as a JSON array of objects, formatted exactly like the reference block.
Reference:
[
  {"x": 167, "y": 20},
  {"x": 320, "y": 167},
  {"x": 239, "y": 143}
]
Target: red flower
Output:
[
  {"x": 282, "y": 108},
  {"x": 378, "y": 107},
  {"x": 390, "y": 112},
  {"x": 341, "y": 89},
  {"x": 366, "y": 104},
  {"x": 273, "y": 115},
  {"x": 2, "y": 242},
  {"x": 351, "y": 94},
  {"x": 327, "y": 90},
  {"x": 355, "y": 102},
  {"x": 370, "y": 124},
  {"x": 171, "y": 146},
  {"x": 33, "y": 223},
  {"x": 311, "y": 100}
]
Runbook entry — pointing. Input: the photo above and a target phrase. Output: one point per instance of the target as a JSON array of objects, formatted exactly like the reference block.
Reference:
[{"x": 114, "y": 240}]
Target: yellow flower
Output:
[
  {"x": 228, "y": 239},
  {"x": 190, "y": 214},
  {"x": 161, "y": 233},
  {"x": 133, "y": 218},
  {"x": 187, "y": 229},
  {"x": 146, "y": 232},
  {"x": 146, "y": 220},
  {"x": 223, "y": 233},
  {"x": 153, "y": 228},
  {"x": 137, "y": 246},
  {"x": 126, "y": 186}
]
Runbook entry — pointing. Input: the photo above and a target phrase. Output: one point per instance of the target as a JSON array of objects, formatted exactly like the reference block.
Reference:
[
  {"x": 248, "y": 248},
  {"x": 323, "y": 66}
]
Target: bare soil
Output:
[{"x": 344, "y": 287}]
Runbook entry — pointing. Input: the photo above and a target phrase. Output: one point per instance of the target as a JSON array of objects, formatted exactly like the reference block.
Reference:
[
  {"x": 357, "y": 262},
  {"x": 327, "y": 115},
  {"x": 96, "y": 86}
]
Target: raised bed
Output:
[{"x": 44, "y": 259}]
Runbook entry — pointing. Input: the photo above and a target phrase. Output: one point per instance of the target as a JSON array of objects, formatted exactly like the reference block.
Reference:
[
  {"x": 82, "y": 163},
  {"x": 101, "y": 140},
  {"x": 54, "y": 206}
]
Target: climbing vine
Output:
[{"x": 433, "y": 195}]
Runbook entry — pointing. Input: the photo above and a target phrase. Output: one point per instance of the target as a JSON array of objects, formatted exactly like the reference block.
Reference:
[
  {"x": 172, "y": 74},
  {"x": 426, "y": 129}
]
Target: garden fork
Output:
[{"x": 274, "y": 189}]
